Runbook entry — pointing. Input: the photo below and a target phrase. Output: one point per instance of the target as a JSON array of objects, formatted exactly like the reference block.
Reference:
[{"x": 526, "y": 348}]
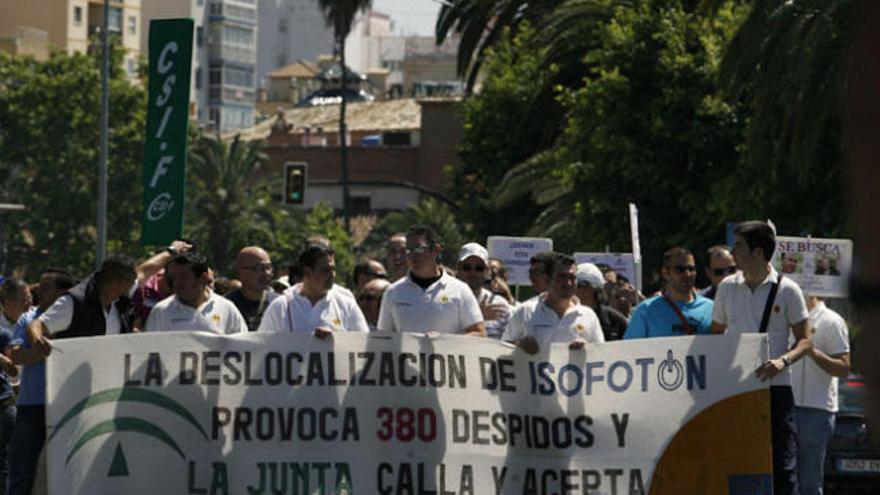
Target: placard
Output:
[
  {"x": 820, "y": 266},
  {"x": 515, "y": 253}
]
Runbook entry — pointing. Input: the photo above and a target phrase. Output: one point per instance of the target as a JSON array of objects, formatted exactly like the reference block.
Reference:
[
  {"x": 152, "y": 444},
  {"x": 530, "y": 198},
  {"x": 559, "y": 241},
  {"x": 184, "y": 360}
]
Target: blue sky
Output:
[{"x": 410, "y": 16}]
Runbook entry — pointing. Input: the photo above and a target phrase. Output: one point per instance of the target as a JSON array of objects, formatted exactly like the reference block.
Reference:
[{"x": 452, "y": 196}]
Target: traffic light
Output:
[{"x": 294, "y": 183}]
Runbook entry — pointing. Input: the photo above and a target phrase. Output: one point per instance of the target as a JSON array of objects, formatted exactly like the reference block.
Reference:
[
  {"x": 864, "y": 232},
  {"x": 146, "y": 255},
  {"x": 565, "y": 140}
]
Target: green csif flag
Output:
[{"x": 167, "y": 118}]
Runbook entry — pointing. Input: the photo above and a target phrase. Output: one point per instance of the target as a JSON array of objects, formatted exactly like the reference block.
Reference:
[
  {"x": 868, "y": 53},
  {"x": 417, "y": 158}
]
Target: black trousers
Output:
[{"x": 784, "y": 432}]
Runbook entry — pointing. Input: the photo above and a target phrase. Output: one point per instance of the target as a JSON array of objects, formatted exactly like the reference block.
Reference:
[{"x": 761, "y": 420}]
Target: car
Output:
[{"x": 852, "y": 462}]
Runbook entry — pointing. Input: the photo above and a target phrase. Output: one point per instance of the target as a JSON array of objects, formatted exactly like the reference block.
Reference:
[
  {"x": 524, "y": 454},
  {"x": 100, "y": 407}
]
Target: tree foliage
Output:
[
  {"x": 647, "y": 121},
  {"x": 49, "y": 160}
]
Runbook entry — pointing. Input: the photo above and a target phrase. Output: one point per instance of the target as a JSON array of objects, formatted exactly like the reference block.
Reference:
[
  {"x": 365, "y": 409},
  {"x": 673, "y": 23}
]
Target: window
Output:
[
  {"x": 238, "y": 36},
  {"x": 200, "y": 3},
  {"x": 282, "y": 25},
  {"x": 214, "y": 77},
  {"x": 132, "y": 25},
  {"x": 200, "y": 36},
  {"x": 198, "y": 77},
  {"x": 77, "y": 16},
  {"x": 132, "y": 67},
  {"x": 114, "y": 22}
]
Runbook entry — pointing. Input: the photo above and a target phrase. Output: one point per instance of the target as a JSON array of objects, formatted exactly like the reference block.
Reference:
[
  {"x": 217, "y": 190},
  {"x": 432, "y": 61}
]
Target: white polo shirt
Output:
[
  {"x": 342, "y": 290},
  {"x": 294, "y": 312},
  {"x": 495, "y": 328},
  {"x": 59, "y": 316},
  {"x": 542, "y": 323},
  {"x": 514, "y": 333},
  {"x": 446, "y": 306},
  {"x": 217, "y": 314},
  {"x": 812, "y": 386},
  {"x": 740, "y": 309}
]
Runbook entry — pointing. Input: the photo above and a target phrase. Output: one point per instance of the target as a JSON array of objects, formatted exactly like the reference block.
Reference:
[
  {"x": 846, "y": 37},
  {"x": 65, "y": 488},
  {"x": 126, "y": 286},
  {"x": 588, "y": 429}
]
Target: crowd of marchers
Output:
[{"x": 413, "y": 291}]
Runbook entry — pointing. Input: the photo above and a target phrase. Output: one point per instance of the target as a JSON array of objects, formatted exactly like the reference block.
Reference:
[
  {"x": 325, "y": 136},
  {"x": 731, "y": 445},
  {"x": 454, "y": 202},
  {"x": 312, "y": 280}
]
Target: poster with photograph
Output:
[{"x": 820, "y": 266}]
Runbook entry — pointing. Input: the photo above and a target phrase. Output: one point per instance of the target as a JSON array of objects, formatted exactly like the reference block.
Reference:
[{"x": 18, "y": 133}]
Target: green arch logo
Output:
[{"x": 127, "y": 424}]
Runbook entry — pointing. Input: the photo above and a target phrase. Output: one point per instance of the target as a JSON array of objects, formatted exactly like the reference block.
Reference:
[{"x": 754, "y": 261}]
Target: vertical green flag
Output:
[{"x": 167, "y": 119}]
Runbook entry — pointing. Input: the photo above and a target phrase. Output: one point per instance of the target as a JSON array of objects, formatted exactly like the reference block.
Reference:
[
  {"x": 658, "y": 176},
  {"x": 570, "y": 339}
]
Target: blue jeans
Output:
[
  {"x": 7, "y": 425},
  {"x": 27, "y": 442},
  {"x": 815, "y": 427}
]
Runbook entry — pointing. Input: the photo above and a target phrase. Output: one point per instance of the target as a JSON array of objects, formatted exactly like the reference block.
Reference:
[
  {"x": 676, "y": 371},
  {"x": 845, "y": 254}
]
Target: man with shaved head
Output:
[{"x": 255, "y": 272}]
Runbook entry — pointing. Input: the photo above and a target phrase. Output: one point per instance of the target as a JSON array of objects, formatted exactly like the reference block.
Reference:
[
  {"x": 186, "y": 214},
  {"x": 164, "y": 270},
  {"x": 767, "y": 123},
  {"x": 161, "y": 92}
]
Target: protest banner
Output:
[
  {"x": 381, "y": 413},
  {"x": 621, "y": 263},
  {"x": 821, "y": 267},
  {"x": 515, "y": 253},
  {"x": 167, "y": 119}
]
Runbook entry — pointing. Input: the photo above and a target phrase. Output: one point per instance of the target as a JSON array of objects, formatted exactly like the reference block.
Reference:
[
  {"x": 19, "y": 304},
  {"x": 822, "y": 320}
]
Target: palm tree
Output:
[
  {"x": 339, "y": 15},
  {"x": 226, "y": 210},
  {"x": 789, "y": 62}
]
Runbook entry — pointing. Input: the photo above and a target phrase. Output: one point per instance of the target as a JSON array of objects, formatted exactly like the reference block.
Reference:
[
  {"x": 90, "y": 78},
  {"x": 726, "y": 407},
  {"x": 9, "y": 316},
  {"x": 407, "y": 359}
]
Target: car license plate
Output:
[{"x": 859, "y": 465}]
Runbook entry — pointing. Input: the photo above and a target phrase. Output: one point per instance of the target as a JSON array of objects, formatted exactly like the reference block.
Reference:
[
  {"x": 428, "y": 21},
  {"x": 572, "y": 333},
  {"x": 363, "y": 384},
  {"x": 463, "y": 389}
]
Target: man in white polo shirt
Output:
[
  {"x": 427, "y": 299},
  {"x": 316, "y": 306},
  {"x": 758, "y": 299},
  {"x": 473, "y": 265},
  {"x": 540, "y": 274},
  {"x": 194, "y": 306},
  {"x": 558, "y": 317},
  {"x": 814, "y": 383}
]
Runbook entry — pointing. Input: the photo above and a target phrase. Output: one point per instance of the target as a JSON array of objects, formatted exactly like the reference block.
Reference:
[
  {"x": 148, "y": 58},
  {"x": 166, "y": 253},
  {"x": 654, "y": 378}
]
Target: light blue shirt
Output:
[
  {"x": 654, "y": 317},
  {"x": 32, "y": 391}
]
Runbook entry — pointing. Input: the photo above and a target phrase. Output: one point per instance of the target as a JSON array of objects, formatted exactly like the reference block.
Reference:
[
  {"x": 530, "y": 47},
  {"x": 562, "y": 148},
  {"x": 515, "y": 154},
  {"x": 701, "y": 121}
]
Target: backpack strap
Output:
[
  {"x": 687, "y": 327},
  {"x": 765, "y": 319}
]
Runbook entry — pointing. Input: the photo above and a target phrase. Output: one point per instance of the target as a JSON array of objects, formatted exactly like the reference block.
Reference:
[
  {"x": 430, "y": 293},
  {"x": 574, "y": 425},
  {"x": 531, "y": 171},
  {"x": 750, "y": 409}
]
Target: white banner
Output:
[
  {"x": 820, "y": 266},
  {"x": 515, "y": 253},
  {"x": 621, "y": 263},
  {"x": 192, "y": 413}
]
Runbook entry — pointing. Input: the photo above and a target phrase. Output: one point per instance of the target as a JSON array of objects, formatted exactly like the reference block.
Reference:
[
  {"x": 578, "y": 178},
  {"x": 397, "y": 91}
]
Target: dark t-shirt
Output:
[
  {"x": 613, "y": 322},
  {"x": 251, "y": 310}
]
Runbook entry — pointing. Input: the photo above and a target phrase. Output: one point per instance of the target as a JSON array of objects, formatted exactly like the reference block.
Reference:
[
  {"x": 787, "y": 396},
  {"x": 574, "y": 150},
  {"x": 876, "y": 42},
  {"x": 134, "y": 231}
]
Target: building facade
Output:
[
  {"x": 37, "y": 27},
  {"x": 223, "y": 83}
]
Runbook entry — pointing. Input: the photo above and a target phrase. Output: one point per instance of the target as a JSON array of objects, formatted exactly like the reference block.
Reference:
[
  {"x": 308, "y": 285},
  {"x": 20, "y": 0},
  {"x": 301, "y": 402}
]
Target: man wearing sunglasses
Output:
[
  {"x": 473, "y": 269},
  {"x": 720, "y": 265},
  {"x": 678, "y": 310},
  {"x": 255, "y": 272},
  {"x": 369, "y": 298},
  {"x": 429, "y": 299}
]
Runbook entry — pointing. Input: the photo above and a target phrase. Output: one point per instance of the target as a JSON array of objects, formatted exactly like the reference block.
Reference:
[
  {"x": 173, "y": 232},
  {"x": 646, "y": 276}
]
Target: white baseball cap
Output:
[
  {"x": 473, "y": 249},
  {"x": 591, "y": 274}
]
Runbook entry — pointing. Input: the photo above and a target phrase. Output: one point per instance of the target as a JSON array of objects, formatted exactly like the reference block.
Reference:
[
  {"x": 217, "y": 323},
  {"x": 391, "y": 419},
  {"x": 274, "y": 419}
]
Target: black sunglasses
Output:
[
  {"x": 684, "y": 268},
  {"x": 730, "y": 270},
  {"x": 467, "y": 267}
]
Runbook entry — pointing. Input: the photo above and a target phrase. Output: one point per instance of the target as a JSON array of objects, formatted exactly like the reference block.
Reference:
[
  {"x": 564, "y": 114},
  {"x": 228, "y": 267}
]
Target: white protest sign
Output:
[
  {"x": 382, "y": 413},
  {"x": 622, "y": 263},
  {"x": 820, "y": 266},
  {"x": 515, "y": 253}
]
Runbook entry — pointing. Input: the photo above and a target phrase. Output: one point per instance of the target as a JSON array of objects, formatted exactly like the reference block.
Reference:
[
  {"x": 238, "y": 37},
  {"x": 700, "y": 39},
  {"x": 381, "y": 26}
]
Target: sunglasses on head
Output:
[
  {"x": 467, "y": 267},
  {"x": 684, "y": 268},
  {"x": 718, "y": 272}
]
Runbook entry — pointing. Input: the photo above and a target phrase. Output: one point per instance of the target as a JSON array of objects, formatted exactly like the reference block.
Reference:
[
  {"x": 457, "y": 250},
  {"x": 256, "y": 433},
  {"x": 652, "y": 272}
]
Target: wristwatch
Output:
[
  {"x": 172, "y": 250},
  {"x": 786, "y": 360}
]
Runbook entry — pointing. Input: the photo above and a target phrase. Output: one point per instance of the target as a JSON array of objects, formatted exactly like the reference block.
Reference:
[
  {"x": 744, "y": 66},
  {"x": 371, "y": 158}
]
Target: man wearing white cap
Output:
[
  {"x": 473, "y": 266},
  {"x": 558, "y": 317},
  {"x": 591, "y": 291}
]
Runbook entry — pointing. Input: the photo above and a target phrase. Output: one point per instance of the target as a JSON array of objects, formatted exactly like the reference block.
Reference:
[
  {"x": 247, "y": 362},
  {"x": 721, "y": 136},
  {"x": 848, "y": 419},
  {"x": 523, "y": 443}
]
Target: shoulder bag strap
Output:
[
  {"x": 684, "y": 322},
  {"x": 765, "y": 318}
]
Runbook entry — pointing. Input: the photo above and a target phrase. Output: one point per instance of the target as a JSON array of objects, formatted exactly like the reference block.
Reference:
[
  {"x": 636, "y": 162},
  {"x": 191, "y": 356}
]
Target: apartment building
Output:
[{"x": 37, "y": 27}]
